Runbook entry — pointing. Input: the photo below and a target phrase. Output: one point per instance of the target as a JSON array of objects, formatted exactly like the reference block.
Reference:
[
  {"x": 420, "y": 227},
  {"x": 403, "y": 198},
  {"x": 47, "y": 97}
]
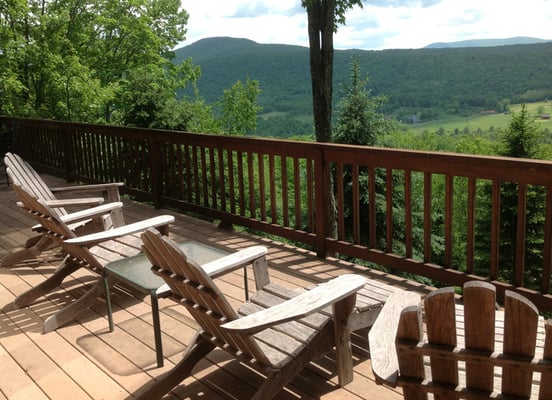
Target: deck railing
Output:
[{"x": 437, "y": 215}]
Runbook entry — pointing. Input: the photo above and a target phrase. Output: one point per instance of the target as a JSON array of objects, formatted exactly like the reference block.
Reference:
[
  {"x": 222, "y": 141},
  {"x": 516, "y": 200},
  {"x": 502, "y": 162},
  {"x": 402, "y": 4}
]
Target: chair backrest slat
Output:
[
  {"x": 441, "y": 330},
  {"x": 545, "y": 391},
  {"x": 468, "y": 349},
  {"x": 411, "y": 364},
  {"x": 56, "y": 228},
  {"x": 22, "y": 173},
  {"x": 479, "y": 330},
  {"x": 520, "y": 334}
]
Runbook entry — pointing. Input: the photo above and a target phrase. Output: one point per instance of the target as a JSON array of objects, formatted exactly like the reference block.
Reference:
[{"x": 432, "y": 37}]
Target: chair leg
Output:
[
  {"x": 196, "y": 350},
  {"x": 66, "y": 268},
  {"x": 70, "y": 312}
]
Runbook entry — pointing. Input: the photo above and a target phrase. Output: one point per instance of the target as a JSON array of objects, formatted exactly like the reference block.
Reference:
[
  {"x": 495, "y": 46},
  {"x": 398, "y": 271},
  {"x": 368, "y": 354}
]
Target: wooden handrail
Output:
[{"x": 280, "y": 187}]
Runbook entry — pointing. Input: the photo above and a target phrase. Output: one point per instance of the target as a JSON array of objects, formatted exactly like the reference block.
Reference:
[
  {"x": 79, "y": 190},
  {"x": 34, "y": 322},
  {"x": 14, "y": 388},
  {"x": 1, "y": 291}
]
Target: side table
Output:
[{"x": 136, "y": 272}]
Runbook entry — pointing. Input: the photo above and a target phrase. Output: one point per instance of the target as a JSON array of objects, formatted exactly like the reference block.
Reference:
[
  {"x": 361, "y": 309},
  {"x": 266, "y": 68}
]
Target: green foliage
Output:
[
  {"x": 105, "y": 61},
  {"x": 340, "y": 8},
  {"x": 146, "y": 97},
  {"x": 360, "y": 120},
  {"x": 67, "y": 60},
  {"x": 239, "y": 108},
  {"x": 460, "y": 81},
  {"x": 521, "y": 139}
]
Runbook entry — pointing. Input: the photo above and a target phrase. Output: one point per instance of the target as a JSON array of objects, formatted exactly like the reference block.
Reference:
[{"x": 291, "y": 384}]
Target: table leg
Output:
[
  {"x": 108, "y": 303},
  {"x": 245, "y": 283},
  {"x": 156, "y": 328}
]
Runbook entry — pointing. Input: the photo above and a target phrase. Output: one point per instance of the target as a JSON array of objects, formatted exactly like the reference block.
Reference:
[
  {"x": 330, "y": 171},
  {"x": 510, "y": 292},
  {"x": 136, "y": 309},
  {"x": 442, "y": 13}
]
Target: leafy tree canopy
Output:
[
  {"x": 360, "y": 121},
  {"x": 66, "y": 59},
  {"x": 104, "y": 61}
]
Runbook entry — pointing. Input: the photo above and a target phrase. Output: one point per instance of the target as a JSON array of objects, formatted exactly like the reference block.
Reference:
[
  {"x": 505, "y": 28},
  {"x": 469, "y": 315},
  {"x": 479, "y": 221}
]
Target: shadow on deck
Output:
[{"x": 83, "y": 360}]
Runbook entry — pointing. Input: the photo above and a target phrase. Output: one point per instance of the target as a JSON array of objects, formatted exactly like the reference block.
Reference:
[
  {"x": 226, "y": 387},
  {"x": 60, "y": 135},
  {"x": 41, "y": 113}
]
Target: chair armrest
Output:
[
  {"x": 232, "y": 261},
  {"x": 111, "y": 189},
  {"x": 300, "y": 306},
  {"x": 82, "y": 202},
  {"x": 83, "y": 214},
  {"x": 87, "y": 188},
  {"x": 381, "y": 338},
  {"x": 91, "y": 212},
  {"x": 224, "y": 265},
  {"x": 95, "y": 238}
]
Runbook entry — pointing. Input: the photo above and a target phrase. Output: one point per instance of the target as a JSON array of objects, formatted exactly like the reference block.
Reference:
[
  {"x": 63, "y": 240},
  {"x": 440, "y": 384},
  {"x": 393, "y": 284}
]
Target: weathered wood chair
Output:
[
  {"x": 19, "y": 171},
  {"x": 469, "y": 352},
  {"x": 91, "y": 251},
  {"x": 278, "y": 341}
]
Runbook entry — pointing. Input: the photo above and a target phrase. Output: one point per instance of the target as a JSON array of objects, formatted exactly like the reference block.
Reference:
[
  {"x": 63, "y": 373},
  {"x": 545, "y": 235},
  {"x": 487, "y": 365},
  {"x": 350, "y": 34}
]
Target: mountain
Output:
[
  {"x": 423, "y": 82},
  {"x": 487, "y": 42}
]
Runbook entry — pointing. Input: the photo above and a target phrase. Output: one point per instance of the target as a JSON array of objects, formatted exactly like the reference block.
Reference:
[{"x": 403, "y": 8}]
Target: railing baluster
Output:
[
  {"x": 470, "y": 234},
  {"x": 495, "y": 230},
  {"x": 262, "y": 186},
  {"x": 272, "y": 189},
  {"x": 372, "y": 207},
  {"x": 297, "y": 192},
  {"x": 207, "y": 174},
  {"x": 241, "y": 183},
  {"x": 231, "y": 181},
  {"x": 428, "y": 249},
  {"x": 251, "y": 179},
  {"x": 355, "y": 203},
  {"x": 340, "y": 202},
  {"x": 408, "y": 213},
  {"x": 212, "y": 177},
  {"x": 449, "y": 195},
  {"x": 521, "y": 223},
  {"x": 285, "y": 192},
  {"x": 310, "y": 196},
  {"x": 389, "y": 211}
]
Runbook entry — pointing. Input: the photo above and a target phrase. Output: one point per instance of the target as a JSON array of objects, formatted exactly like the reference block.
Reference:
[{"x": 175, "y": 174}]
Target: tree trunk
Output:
[{"x": 321, "y": 27}]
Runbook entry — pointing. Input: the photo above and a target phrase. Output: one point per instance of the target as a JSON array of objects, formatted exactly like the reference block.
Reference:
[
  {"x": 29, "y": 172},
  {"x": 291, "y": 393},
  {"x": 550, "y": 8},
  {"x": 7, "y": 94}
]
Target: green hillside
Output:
[{"x": 425, "y": 82}]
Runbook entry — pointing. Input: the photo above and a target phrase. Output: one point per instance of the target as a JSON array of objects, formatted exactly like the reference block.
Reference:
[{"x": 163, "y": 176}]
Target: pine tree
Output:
[{"x": 521, "y": 140}]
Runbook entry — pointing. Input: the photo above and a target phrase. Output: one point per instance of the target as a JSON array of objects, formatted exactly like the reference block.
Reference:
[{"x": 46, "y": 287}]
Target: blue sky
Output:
[{"x": 379, "y": 24}]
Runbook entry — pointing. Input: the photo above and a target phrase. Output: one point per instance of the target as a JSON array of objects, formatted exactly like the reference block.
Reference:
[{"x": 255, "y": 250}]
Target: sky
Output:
[{"x": 379, "y": 24}]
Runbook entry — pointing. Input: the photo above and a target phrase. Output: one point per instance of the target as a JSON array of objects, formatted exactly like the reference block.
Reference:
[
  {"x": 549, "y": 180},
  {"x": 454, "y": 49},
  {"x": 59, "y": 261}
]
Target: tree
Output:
[
  {"x": 239, "y": 108},
  {"x": 323, "y": 18},
  {"x": 521, "y": 139},
  {"x": 146, "y": 97},
  {"x": 66, "y": 59},
  {"x": 360, "y": 120}
]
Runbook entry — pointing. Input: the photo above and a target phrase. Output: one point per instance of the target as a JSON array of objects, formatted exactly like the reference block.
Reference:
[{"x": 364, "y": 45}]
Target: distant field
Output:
[{"x": 483, "y": 122}]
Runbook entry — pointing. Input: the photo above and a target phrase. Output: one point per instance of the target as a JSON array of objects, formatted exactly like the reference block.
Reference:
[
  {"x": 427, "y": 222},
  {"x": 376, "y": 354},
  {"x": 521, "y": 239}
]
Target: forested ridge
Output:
[{"x": 425, "y": 81}]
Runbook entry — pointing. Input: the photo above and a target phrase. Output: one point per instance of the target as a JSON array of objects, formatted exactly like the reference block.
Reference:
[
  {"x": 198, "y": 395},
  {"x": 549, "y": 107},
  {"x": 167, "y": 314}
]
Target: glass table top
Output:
[{"x": 137, "y": 269}]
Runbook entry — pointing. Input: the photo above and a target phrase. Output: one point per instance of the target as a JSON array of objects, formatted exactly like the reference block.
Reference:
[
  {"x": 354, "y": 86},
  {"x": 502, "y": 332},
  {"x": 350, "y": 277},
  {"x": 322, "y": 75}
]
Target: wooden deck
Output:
[{"x": 83, "y": 360}]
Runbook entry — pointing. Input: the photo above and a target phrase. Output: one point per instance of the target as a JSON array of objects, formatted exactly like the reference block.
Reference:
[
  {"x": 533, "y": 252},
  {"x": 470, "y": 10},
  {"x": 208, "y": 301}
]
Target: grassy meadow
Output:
[{"x": 484, "y": 122}]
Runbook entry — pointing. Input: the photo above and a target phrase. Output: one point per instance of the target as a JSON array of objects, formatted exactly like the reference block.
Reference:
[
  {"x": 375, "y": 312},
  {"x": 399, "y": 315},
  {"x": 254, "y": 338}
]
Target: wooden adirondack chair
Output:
[
  {"x": 19, "y": 171},
  {"x": 278, "y": 341},
  {"x": 474, "y": 351},
  {"x": 91, "y": 251}
]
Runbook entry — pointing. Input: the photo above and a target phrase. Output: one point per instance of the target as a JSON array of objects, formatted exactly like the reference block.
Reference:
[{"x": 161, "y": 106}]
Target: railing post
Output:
[
  {"x": 67, "y": 143},
  {"x": 322, "y": 187},
  {"x": 155, "y": 169}
]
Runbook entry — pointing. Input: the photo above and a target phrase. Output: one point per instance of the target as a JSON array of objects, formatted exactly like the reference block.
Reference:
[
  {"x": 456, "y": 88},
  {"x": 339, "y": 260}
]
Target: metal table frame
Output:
[{"x": 136, "y": 272}]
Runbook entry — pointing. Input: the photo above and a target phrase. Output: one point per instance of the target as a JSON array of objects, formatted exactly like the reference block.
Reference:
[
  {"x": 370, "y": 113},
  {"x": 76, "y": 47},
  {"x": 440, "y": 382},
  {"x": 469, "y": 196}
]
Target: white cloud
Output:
[{"x": 379, "y": 24}]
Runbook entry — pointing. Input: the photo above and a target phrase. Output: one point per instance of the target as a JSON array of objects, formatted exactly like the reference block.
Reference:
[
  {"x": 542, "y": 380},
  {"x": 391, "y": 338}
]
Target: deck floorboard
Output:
[{"x": 83, "y": 360}]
